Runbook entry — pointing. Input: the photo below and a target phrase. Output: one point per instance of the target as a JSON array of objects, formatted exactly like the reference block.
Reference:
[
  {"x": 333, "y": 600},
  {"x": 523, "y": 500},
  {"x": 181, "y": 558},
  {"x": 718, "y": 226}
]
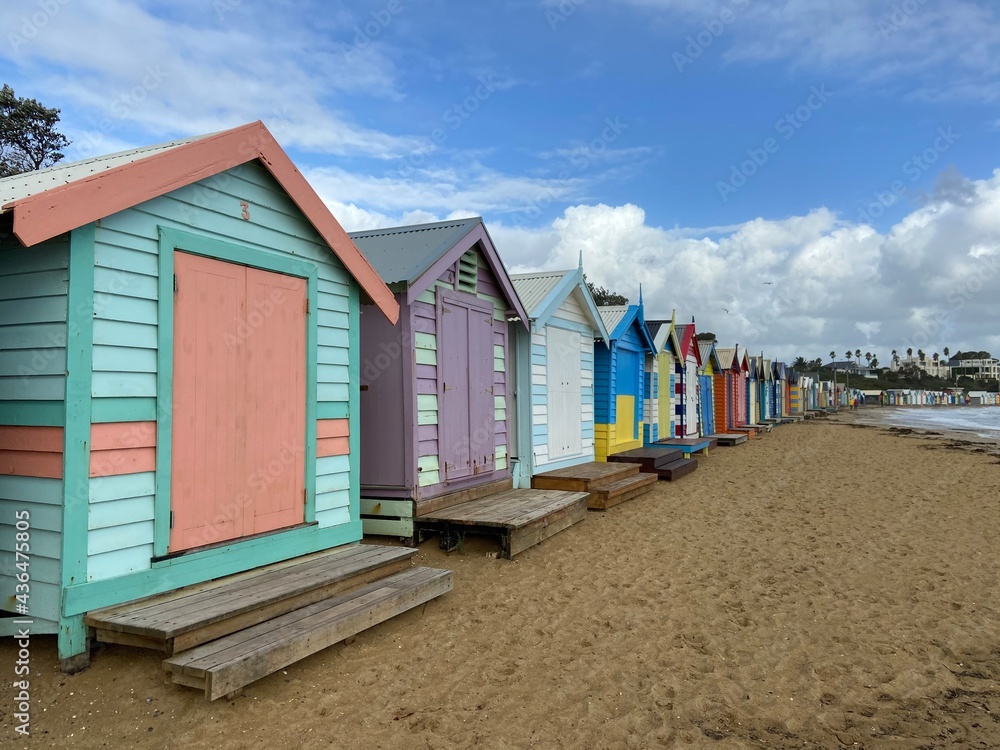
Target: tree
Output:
[
  {"x": 706, "y": 336},
  {"x": 833, "y": 356},
  {"x": 28, "y": 136},
  {"x": 857, "y": 353},
  {"x": 799, "y": 363},
  {"x": 945, "y": 352},
  {"x": 936, "y": 357},
  {"x": 849, "y": 355},
  {"x": 909, "y": 352},
  {"x": 868, "y": 357},
  {"x": 605, "y": 297},
  {"x": 874, "y": 363},
  {"x": 920, "y": 355}
]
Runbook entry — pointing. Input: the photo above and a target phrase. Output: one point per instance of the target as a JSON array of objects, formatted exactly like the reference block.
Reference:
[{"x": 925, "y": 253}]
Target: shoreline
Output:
[{"x": 958, "y": 438}]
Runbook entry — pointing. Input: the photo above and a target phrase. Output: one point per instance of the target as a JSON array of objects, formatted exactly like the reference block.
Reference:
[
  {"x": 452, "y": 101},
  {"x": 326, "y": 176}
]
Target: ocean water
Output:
[{"x": 979, "y": 420}]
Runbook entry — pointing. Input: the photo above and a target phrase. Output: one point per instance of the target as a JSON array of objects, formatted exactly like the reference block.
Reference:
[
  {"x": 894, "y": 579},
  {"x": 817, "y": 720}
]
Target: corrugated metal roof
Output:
[
  {"x": 612, "y": 316},
  {"x": 21, "y": 186},
  {"x": 533, "y": 288},
  {"x": 403, "y": 254},
  {"x": 726, "y": 355},
  {"x": 705, "y": 347}
]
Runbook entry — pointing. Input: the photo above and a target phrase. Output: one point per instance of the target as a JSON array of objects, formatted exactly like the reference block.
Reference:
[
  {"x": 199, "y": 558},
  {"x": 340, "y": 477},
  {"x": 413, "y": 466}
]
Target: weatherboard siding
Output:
[
  {"x": 33, "y": 322},
  {"x": 126, "y": 276},
  {"x": 42, "y": 498}
]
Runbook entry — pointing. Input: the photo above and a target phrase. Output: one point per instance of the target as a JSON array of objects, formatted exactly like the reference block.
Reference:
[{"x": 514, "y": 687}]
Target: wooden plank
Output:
[
  {"x": 233, "y": 624},
  {"x": 242, "y": 658},
  {"x": 678, "y": 469},
  {"x": 541, "y": 529},
  {"x": 583, "y": 477},
  {"x": 399, "y": 527},
  {"x": 424, "y": 506},
  {"x": 170, "y": 614},
  {"x": 621, "y": 491},
  {"x": 130, "y": 639}
]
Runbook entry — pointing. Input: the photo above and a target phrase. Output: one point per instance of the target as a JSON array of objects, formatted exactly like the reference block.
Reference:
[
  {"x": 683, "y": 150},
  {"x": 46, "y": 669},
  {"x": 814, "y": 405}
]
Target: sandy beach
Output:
[{"x": 823, "y": 586}]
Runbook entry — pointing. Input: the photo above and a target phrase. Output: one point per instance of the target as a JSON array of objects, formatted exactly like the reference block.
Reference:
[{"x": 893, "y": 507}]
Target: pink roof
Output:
[{"x": 49, "y": 213}]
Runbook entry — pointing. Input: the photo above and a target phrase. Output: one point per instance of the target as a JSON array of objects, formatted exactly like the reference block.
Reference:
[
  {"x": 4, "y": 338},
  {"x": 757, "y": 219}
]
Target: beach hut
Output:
[
  {"x": 780, "y": 390},
  {"x": 178, "y": 399},
  {"x": 435, "y": 405},
  {"x": 619, "y": 379},
  {"x": 686, "y": 368},
  {"x": 706, "y": 390},
  {"x": 742, "y": 387},
  {"x": 766, "y": 387},
  {"x": 753, "y": 392},
  {"x": 554, "y": 373},
  {"x": 659, "y": 413}
]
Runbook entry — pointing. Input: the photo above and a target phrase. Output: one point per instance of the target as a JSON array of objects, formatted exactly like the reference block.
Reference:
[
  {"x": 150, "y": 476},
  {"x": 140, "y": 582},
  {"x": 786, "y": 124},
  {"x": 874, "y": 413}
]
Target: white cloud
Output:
[
  {"x": 798, "y": 286},
  {"x": 167, "y": 76}
]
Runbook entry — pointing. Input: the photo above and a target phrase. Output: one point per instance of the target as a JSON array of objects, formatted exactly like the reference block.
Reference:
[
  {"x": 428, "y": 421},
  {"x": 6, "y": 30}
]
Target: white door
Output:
[
  {"x": 691, "y": 384},
  {"x": 565, "y": 402}
]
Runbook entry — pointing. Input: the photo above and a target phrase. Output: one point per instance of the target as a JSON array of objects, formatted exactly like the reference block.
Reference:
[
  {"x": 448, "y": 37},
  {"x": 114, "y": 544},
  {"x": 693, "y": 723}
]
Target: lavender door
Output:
[{"x": 466, "y": 411}]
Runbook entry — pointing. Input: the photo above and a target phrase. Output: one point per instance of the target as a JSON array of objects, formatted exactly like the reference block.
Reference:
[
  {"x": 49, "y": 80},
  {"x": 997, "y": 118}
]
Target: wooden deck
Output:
[
  {"x": 688, "y": 445},
  {"x": 190, "y": 616},
  {"x": 606, "y": 484},
  {"x": 521, "y": 518},
  {"x": 729, "y": 439},
  {"x": 665, "y": 463},
  {"x": 649, "y": 457},
  {"x": 224, "y": 666}
]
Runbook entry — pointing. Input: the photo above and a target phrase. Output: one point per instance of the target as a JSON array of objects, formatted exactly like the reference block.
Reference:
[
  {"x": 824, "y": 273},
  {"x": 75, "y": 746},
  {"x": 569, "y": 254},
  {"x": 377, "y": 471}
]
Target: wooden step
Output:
[
  {"x": 649, "y": 458},
  {"x": 184, "y": 618},
  {"x": 226, "y": 665},
  {"x": 521, "y": 518},
  {"x": 677, "y": 469},
  {"x": 614, "y": 493},
  {"x": 583, "y": 477},
  {"x": 730, "y": 439}
]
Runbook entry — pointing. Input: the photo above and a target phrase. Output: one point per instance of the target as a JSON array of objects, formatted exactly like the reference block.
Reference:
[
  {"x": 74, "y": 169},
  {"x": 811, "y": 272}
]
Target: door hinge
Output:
[
  {"x": 171, "y": 519},
  {"x": 175, "y": 283},
  {"x": 307, "y": 305},
  {"x": 305, "y": 496}
]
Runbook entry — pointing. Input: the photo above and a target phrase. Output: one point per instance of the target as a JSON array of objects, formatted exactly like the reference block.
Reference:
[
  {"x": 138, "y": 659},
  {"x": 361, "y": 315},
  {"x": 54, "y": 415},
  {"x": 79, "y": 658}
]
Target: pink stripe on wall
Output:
[
  {"x": 332, "y": 437},
  {"x": 31, "y": 451},
  {"x": 122, "y": 448}
]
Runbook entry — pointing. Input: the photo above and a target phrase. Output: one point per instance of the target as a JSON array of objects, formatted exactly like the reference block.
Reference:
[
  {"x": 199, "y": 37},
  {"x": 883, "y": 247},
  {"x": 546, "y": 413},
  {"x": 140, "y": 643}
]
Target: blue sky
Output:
[{"x": 845, "y": 151}]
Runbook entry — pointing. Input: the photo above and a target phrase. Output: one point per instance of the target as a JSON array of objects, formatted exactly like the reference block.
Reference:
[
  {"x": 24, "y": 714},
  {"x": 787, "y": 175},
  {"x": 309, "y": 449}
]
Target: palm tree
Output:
[
  {"x": 868, "y": 356},
  {"x": 799, "y": 363},
  {"x": 936, "y": 357},
  {"x": 945, "y": 350},
  {"x": 849, "y": 355},
  {"x": 909, "y": 352},
  {"x": 857, "y": 353},
  {"x": 874, "y": 363},
  {"x": 920, "y": 355}
]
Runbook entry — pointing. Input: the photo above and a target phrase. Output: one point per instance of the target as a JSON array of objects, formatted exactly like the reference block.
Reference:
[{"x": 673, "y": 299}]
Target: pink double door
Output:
[{"x": 239, "y": 402}]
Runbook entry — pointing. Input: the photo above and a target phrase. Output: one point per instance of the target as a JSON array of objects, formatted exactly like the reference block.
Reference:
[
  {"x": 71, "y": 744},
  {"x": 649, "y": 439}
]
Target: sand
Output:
[{"x": 823, "y": 586}]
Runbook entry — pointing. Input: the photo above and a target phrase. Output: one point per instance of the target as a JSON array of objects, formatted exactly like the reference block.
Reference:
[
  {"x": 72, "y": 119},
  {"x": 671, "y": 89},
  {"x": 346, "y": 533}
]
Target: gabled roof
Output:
[
  {"x": 727, "y": 356},
  {"x": 664, "y": 335},
  {"x": 766, "y": 372},
  {"x": 417, "y": 254},
  {"x": 617, "y": 319},
  {"x": 404, "y": 254},
  {"x": 53, "y": 201},
  {"x": 542, "y": 293},
  {"x": 744, "y": 362},
  {"x": 686, "y": 335},
  {"x": 707, "y": 351}
]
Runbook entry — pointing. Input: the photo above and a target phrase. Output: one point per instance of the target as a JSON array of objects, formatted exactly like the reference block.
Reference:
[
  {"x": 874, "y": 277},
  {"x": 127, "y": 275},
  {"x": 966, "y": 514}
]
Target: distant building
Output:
[
  {"x": 939, "y": 369},
  {"x": 852, "y": 368},
  {"x": 980, "y": 369}
]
